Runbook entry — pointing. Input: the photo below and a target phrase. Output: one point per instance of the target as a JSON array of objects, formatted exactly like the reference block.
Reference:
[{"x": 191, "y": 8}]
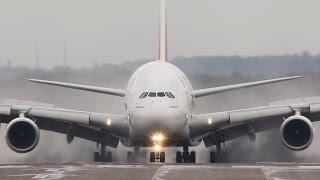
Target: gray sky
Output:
[{"x": 114, "y": 31}]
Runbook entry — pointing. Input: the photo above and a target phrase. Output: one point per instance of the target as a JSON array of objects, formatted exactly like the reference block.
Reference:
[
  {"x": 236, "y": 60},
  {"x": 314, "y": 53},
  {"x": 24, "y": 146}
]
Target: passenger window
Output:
[
  {"x": 172, "y": 95},
  {"x": 152, "y": 94},
  {"x": 168, "y": 94},
  {"x": 145, "y": 95},
  {"x": 161, "y": 94}
]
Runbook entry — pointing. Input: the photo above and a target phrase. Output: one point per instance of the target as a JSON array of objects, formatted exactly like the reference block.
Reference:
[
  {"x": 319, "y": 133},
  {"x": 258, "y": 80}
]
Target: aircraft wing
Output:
[
  {"x": 103, "y": 90},
  {"x": 215, "y": 90},
  {"x": 247, "y": 122},
  {"x": 85, "y": 125}
]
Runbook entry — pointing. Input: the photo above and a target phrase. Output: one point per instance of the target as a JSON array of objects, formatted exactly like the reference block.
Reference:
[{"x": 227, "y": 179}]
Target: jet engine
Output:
[
  {"x": 297, "y": 132},
  {"x": 22, "y": 135}
]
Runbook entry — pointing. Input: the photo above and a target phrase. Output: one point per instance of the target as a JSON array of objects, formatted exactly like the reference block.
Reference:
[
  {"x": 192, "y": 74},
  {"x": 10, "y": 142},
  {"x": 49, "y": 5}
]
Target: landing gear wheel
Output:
[
  {"x": 96, "y": 157},
  {"x": 109, "y": 157},
  {"x": 185, "y": 156},
  {"x": 212, "y": 157},
  {"x": 152, "y": 157},
  {"x": 106, "y": 157},
  {"x": 130, "y": 157},
  {"x": 178, "y": 157},
  {"x": 162, "y": 157},
  {"x": 192, "y": 157}
]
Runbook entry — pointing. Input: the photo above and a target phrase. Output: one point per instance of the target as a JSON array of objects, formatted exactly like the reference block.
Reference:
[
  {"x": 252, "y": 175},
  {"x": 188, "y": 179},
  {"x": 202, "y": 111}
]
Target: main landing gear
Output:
[
  {"x": 218, "y": 156},
  {"x": 136, "y": 155},
  {"x": 103, "y": 155},
  {"x": 186, "y": 156}
]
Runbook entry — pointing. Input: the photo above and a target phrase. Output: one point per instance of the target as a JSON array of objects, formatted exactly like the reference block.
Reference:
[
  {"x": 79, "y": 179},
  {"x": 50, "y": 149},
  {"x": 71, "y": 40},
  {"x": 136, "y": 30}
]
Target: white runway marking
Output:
[
  {"x": 13, "y": 166},
  {"x": 52, "y": 173},
  {"x": 121, "y": 166},
  {"x": 246, "y": 167},
  {"x": 310, "y": 167}
]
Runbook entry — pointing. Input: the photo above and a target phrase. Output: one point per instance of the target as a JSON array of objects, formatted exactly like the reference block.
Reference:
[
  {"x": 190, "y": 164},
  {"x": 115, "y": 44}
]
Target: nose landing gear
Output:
[{"x": 157, "y": 157}]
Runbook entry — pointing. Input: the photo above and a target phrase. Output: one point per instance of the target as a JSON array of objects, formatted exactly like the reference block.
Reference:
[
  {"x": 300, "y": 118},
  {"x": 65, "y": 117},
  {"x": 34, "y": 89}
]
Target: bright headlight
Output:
[{"x": 158, "y": 138}]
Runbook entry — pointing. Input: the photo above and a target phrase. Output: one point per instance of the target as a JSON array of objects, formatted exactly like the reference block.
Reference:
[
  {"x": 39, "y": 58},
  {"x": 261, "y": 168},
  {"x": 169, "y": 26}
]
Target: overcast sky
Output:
[{"x": 114, "y": 31}]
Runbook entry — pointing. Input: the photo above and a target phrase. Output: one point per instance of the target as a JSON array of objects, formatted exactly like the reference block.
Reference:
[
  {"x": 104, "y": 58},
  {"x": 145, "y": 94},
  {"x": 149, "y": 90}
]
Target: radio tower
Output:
[
  {"x": 37, "y": 54},
  {"x": 64, "y": 52}
]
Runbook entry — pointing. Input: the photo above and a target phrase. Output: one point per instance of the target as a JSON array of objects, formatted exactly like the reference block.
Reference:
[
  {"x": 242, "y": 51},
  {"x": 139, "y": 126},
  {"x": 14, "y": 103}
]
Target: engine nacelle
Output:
[
  {"x": 22, "y": 135},
  {"x": 297, "y": 132}
]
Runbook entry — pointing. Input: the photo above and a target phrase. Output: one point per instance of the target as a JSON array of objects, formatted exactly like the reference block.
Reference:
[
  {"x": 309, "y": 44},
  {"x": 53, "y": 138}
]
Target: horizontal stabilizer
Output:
[
  {"x": 110, "y": 91},
  {"x": 215, "y": 90}
]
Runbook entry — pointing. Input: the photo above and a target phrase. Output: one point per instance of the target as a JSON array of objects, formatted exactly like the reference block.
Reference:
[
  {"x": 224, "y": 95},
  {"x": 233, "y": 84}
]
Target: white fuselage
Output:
[{"x": 154, "y": 112}]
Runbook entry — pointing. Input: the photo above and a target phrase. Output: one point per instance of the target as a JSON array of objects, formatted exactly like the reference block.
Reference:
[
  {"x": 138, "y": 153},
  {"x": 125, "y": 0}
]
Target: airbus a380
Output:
[{"x": 159, "y": 103}]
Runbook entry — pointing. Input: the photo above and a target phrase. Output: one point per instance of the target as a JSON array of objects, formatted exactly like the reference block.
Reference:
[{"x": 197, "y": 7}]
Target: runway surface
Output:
[{"x": 85, "y": 171}]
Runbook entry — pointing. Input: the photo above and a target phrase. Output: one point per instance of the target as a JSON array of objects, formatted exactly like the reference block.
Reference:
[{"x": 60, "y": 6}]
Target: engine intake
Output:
[
  {"x": 297, "y": 132},
  {"x": 22, "y": 135}
]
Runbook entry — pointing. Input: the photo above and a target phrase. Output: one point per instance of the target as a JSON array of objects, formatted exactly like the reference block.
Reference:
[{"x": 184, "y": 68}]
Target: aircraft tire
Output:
[
  {"x": 212, "y": 157},
  {"x": 96, "y": 157},
  {"x": 162, "y": 157},
  {"x": 178, "y": 157},
  {"x": 192, "y": 157},
  {"x": 152, "y": 157}
]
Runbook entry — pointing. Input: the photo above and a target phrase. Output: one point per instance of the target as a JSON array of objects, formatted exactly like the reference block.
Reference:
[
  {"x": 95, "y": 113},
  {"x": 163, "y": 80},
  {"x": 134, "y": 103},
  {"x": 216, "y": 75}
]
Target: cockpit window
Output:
[
  {"x": 142, "y": 95},
  {"x": 172, "y": 96},
  {"x": 158, "y": 94},
  {"x": 145, "y": 95},
  {"x": 168, "y": 94},
  {"x": 161, "y": 94}
]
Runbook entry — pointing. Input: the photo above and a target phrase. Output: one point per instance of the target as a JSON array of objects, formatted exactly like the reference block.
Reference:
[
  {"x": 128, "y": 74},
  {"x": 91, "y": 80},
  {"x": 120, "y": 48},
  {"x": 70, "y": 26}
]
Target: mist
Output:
[{"x": 53, "y": 147}]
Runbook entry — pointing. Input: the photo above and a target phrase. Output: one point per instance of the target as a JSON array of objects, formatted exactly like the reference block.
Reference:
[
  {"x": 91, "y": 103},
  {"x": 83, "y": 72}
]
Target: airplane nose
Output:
[{"x": 157, "y": 117}]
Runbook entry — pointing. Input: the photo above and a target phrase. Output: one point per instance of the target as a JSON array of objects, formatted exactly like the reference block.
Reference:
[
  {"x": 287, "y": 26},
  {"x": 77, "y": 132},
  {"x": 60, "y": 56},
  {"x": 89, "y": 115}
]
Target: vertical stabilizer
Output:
[{"x": 163, "y": 48}]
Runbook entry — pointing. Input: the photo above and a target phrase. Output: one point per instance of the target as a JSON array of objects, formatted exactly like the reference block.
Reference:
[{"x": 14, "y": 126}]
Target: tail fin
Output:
[{"x": 163, "y": 48}]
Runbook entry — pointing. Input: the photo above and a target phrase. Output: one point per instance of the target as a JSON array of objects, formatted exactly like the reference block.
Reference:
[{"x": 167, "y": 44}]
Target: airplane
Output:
[{"x": 159, "y": 103}]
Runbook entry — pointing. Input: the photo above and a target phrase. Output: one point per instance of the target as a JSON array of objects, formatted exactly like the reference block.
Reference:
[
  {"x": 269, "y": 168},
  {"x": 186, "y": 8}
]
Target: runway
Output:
[{"x": 85, "y": 171}]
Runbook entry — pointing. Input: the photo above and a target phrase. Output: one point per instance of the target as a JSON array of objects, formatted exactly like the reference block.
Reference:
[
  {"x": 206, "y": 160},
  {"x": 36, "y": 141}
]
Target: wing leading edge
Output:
[
  {"x": 215, "y": 90},
  {"x": 110, "y": 91}
]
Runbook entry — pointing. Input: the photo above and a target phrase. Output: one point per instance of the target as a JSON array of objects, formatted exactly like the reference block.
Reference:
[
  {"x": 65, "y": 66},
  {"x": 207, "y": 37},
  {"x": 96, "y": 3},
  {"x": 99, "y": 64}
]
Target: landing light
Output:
[
  {"x": 108, "y": 122},
  {"x": 158, "y": 138},
  {"x": 209, "y": 121}
]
